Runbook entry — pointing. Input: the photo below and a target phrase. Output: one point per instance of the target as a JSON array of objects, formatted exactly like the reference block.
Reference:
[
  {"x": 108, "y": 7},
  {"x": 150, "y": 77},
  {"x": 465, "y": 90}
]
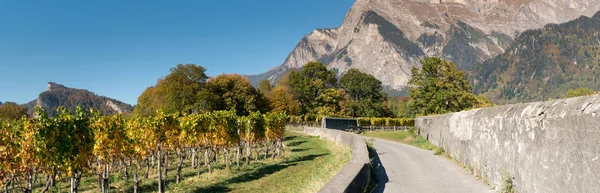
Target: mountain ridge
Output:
[
  {"x": 60, "y": 95},
  {"x": 379, "y": 36}
]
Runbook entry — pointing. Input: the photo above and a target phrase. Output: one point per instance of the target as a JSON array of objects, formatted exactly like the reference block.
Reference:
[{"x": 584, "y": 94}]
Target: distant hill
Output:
[
  {"x": 544, "y": 63},
  {"x": 59, "y": 95}
]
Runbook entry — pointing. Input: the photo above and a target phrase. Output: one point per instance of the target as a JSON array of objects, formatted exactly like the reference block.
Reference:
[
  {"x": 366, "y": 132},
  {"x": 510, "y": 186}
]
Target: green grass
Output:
[
  {"x": 405, "y": 137},
  {"x": 307, "y": 165}
]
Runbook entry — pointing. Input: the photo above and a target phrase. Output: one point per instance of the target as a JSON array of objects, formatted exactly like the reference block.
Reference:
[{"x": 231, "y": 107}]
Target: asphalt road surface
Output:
[{"x": 407, "y": 169}]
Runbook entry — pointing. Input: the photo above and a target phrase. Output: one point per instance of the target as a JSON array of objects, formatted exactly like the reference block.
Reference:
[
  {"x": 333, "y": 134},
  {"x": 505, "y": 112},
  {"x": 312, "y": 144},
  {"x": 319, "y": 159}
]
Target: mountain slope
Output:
[
  {"x": 544, "y": 63},
  {"x": 386, "y": 38},
  {"x": 59, "y": 95}
]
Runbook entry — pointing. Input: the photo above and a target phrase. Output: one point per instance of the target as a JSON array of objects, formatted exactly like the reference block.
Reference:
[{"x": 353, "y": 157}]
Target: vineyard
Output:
[{"x": 70, "y": 146}]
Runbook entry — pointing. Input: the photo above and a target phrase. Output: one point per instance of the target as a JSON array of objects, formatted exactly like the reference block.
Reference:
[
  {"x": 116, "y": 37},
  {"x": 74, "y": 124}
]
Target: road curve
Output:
[{"x": 407, "y": 169}]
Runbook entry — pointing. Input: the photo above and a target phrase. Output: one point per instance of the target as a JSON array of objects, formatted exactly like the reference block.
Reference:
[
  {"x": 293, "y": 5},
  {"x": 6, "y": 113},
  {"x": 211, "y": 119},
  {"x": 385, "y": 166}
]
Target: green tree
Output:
[
  {"x": 232, "y": 92},
  {"x": 177, "y": 92},
  {"x": 181, "y": 87},
  {"x": 439, "y": 88},
  {"x": 579, "y": 92},
  {"x": 265, "y": 87},
  {"x": 365, "y": 93},
  {"x": 12, "y": 111},
  {"x": 307, "y": 84}
]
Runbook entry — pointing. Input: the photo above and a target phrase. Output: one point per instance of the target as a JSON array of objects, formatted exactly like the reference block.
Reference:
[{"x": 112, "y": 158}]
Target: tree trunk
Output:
[
  {"x": 136, "y": 181},
  {"x": 152, "y": 159},
  {"x": 75, "y": 180},
  {"x": 159, "y": 170},
  {"x": 266, "y": 151},
  {"x": 198, "y": 167},
  {"x": 207, "y": 159},
  {"x": 126, "y": 172},
  {"x": 280, "y": 147},
  {"x": 99, "y": 180},
  {"x": 31, "y": 180},
  {"x": 215, "y": 155},
  {"x": 147, "y": 168},
  {"x": 258, "y": 150},
  {"x": 178, "y": 177},
  {"x": 47, "y": 186},
  {"x": 194, "y": 157},
  {"x": 106, "y": 179},
  {"x": 248, "y": 152},
  {"x": 53, "y": 179},
  {"x": 6, "y": 185},
  {"x": 226, "y": 157},
  {"x": 237, "y": 155},
  {"x": 166, "y": 169}
]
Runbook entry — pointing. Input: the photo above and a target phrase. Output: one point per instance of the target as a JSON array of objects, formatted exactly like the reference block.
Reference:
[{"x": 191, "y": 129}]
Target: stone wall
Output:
[
  {"x": 545, "y": 147},
  {"x": 355, "y": 175}
]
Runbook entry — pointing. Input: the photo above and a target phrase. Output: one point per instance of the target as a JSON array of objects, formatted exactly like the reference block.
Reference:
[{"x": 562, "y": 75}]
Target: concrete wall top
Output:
[{"x": 551, "y": 146}]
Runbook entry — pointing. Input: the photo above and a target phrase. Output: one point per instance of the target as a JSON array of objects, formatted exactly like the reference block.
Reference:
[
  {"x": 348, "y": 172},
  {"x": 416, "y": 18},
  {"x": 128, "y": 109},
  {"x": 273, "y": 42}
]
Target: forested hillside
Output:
[{"x": 543, "y": 63}]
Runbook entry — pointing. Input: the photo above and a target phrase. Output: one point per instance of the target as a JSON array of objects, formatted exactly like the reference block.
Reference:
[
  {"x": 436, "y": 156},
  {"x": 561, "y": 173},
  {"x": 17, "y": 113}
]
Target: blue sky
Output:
[{"x": 118, "y": 48}]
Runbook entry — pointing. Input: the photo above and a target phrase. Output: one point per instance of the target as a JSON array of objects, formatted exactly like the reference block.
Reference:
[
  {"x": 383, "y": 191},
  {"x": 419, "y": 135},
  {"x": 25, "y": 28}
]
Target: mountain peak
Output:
[
  {"x": 386, "y": 38},
  {"x": 55, "y": 86}
]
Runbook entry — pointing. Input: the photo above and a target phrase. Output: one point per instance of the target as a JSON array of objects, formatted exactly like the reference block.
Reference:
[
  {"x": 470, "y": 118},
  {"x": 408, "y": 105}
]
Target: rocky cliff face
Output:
[
  {"x": 386, "y": 38},
  {"x": 59, "y": 95}
]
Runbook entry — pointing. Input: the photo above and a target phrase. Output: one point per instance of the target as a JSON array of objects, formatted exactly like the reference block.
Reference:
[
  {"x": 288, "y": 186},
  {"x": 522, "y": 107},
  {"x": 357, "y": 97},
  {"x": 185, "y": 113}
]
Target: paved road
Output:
[{"x": 407, "y": 169}]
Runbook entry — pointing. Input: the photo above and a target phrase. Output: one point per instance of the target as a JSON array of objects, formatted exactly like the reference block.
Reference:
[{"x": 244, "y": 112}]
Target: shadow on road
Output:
[{"x": 377, "y": 169}]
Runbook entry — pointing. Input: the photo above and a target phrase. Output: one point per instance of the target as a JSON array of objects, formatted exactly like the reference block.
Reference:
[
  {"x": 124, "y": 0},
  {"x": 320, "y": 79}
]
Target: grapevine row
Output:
[{"x": 72, "y": 145}]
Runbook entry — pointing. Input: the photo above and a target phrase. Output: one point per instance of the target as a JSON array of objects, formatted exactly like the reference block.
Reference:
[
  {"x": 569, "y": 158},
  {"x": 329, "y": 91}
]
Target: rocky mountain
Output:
[
  {"x": 386, "y": 38},
  {"x": 544, "y": 63},
  {"x": 0, "y": 103},
  {"x": 59, "y": 95}
]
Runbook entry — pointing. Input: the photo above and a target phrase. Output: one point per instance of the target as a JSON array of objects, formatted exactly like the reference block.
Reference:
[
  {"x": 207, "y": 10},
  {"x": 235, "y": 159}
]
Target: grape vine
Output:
[{"x": 86, "y": 143}]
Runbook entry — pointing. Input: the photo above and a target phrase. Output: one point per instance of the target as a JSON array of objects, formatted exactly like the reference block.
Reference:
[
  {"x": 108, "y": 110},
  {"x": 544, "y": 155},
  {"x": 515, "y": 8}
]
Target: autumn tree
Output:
[
  {"x": 149, "y": 101},
  {"x": 282, "y": 100},
  {"x": 232, "y": 92},
  {"x": 365, "y": 94},
  {"x": 438, "y": 87}
]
